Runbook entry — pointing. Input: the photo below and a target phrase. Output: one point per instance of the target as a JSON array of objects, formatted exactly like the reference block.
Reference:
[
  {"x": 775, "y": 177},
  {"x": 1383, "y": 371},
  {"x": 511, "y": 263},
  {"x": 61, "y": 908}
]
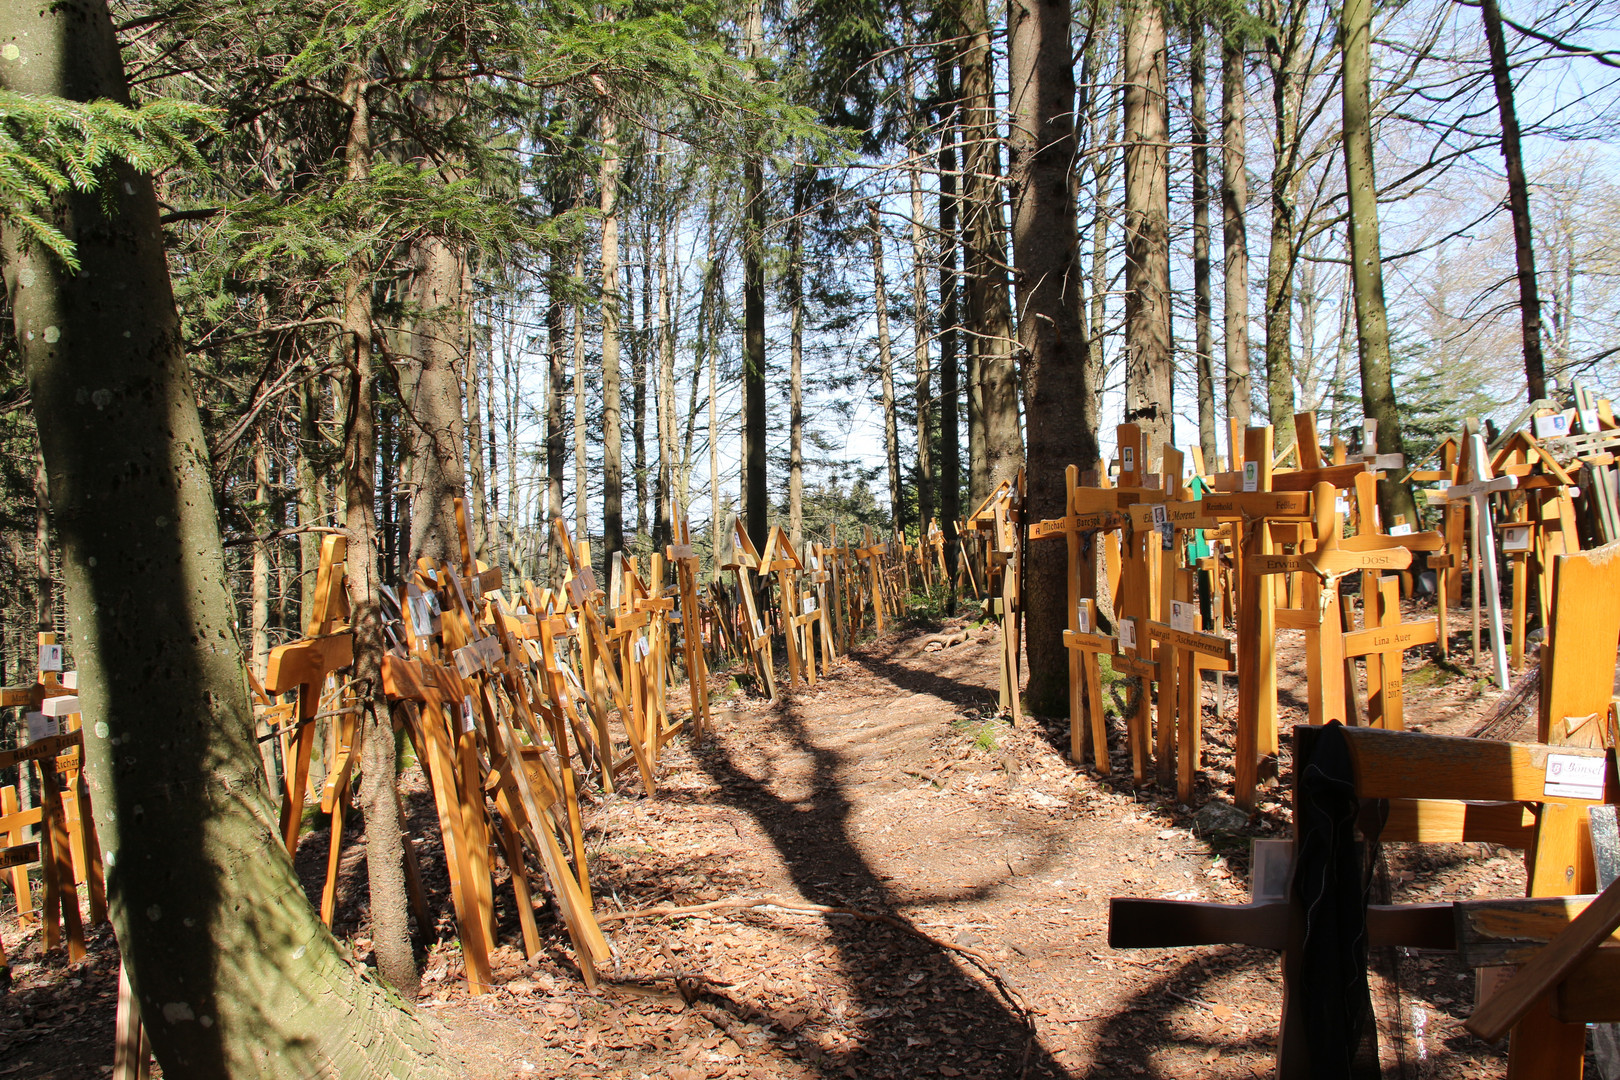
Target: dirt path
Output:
[{"x": 893, "y": 789}]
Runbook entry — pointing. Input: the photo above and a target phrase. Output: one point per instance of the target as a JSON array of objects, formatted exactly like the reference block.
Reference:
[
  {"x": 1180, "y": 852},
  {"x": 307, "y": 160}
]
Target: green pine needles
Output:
[{"x": 49, "y": 145}]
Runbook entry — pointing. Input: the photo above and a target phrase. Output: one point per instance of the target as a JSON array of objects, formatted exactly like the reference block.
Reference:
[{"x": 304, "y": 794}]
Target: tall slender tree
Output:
[
  {"x": 1366, "y": 255},
  {"x": 183, "y": 814},
  {"x": 1052, "y": 327},
  {"x": 1203, "y": 299},
  {"x": 1234, "y": 226},
  {"x": 1150, "y": 362}
]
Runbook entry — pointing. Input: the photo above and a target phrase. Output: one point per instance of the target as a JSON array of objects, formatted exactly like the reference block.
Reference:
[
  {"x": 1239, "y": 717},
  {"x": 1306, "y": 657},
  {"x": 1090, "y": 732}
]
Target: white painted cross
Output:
[{"x": 1482, "y": 544}]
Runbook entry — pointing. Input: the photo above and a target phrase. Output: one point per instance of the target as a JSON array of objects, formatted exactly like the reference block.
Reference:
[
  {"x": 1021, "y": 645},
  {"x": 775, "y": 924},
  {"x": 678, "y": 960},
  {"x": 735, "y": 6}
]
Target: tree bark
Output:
[
  {"x": 473, "y": 363},
  {"x": 950, "y": 448},
  {"x": 795, "y": 299},
  {"x": 638, "y": 384},
  {"x": 920, "y": 331},
  {"x": 438, "y": 426},
  {"x": 891, "y": 429},
  {"x": 1524, "y": 249},
  {"x": 1203, "y": 299},
  {"x": 1234, "y": 228},
  {"x": 582, "y": 519},
  {"x": 556, "y": 442},
  {"x": 1149, "y": 378},
  {"x": 1366, "y": 256},
  {"x": 186, "y": 825},
  {"x": 612, "y": 427},
  {"x": 662, "y": 534},
  {"x": 1052, "y": 327},
  {"x": 1284, "y": 52},
  {"x": 756, "y": 506},
  {"x": 984, "y": 247}
]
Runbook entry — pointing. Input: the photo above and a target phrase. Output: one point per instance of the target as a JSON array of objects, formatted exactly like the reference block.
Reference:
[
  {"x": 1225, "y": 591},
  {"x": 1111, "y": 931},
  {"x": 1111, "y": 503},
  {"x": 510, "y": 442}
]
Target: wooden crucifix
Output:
[
  {"x": 872, "y": 555},
  {"x": 742, "y": 559},
  {"x": 1476, "y": 492},
  {"x": 1078, "y": 526},
  {"x": 780, "y": 558},
  {"x": 686, "y": 563}
]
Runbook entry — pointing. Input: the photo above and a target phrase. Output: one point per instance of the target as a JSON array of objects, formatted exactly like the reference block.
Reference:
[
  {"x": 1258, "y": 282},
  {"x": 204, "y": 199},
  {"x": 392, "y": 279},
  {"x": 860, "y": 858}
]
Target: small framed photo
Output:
[
  {"x": 1516, "y": 538},
  {"x": 1183, "y": 616},
  {"x": 1083, "y": 616},
  {"x": 1127, "y": 633},
  {"x": 50, "y": 658},
  {"x": 1251, "y": 476},
  {"x": 1551, "y": 427},
  {"x": 1127, "y": 459}
]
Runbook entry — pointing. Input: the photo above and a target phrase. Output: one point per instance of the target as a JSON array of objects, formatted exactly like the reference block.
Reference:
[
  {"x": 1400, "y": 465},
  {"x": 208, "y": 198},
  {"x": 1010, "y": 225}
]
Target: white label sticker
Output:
[
  {"x": 50, "y": 658},
  {"x": 1083, "y": 617},
  {"x": 1589, "y": 421},
  {"x": 759, "y": 628},
  {"x": 466, "y": 714},
  {"x": 40, "y": 727},
  {"x": 642, "y": 648},
  {"x": 1551, "y": 427},
  {"x": 1251, "y": 476},
  {"x": 1574, "y": 776},
  {"x": 70, "y": 679},
  {"x": 1369, "y": 436},
  {"x": 1401, "y": 529},
  {"x": 1127, "y": 633},
  {"x": 1183, "y": 616},
  {"x": 1443, "y": 484},
  {"x": 809, "y": 604},
  {"x": 1341, "y": 505}
]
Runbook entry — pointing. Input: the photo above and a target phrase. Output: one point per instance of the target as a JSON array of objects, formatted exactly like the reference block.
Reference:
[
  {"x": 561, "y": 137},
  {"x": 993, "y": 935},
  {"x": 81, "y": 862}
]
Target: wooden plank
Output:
[
  {"x": 1579, "y": 662},
  {"x": 1384, "y": 639},
  {"x": 307, "y": 662},
  {"x": 18, "y": 855},
  {"x": 48, "y": 747},
  {"x": 1447, "y": 821},
  {"x": 1398, "y": 764},
  {"x": 1253, "y": 504},
  {"x": 1548, "y": 966}
]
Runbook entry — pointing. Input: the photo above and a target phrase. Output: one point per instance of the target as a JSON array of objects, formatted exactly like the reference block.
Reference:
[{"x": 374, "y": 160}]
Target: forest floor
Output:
[{"x": 971, "y": 865}]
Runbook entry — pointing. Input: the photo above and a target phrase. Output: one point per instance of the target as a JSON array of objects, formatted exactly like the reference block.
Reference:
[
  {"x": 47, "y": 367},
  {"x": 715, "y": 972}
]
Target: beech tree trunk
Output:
[
  {"x": 1203, "y": 299},
  {"x": 795, "y": 299},
  {"x": 612, "y": 428},
  {"x": 1052, "y": 326},
  {"x": 582, "y": 519},
  {"x": 1234, "y": 228},
  {"x": 1286, "y": 88},
  {"x": 923, "y": 379},
  {"x": 1366, "y": 256},
  {"x": 638, "y": 384},
  {"x": 950, "y": 392},
  {"x": 186, "y": 824},
  {"x": 984, "y": 246},
  {"x": 1524, "y": 248},
  {"x": 556, "y": 442},
  {"x": 1149, "y": 372},
  {"x": 891, "y": 429}
]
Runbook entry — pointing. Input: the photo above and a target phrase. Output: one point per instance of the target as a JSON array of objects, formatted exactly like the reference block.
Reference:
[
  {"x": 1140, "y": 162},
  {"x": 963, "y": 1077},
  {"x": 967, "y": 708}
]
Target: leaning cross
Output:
[{"x": 1482, "y": 547}]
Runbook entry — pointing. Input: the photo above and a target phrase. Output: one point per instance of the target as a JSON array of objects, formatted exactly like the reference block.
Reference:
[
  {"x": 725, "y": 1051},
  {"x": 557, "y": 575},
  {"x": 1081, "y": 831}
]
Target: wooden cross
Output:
[
  {"x": 1477, "y": 493},
  {"x": 53, "y": 850},
  {"x": 686, "y": 564},
  {"x": 1437, "y": 790},
  {"x": 1251, "y": 510},
  {"x": 780, "y": 558},
  {"x": 742, "y": 559},
  {"x": 872, "y": 554}
]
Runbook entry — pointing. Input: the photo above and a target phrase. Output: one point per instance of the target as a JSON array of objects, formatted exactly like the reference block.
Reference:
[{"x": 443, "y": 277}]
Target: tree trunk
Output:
[
  {"x": 1052, "y": 328},
  {"x": 638, "y": 384},
  {"x": 666, "y": 392},
  {"x": 795, "y": 298},
  {"x": 756, "y": 416},
  {"x": 581, "y": 443},
  {"x": 438, "y": 434},
  {"x": 1149, "y": 378},
  {"x": 1234, "y": 229},
  {"x": 1285, "y": 93},
  {"x": 226, "y": 988},
  {"x": 556, "y": 443},
  {"x": 472, "y": 363},
  {"x": 612, "y": 426},
  {"x": 1203, "y": 300},
  {"x": 984, "y": 246},
  {"x": 891, "y": 430},
  {"x": 1366, "y": 257},
  {"x": 1524, "y": 249},
  {"x": 920, "y": 331},
  {"x": 260, "y": 617},
  {"x": 950, "y": 449}
]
